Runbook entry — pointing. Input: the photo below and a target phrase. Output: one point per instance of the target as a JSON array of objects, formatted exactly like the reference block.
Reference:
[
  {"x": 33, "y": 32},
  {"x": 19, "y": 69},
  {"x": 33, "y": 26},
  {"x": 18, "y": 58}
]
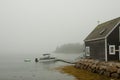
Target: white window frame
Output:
[
  {"x": 87, "y": 50},
  {"x": 119, "y": 53},
  {"x": 112, "y": 49},
  {"x": 119, "y": 33}
]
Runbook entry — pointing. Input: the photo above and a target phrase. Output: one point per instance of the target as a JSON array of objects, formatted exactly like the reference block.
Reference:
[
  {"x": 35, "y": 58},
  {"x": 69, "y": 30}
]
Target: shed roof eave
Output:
[{"x": 94, "y": 39}]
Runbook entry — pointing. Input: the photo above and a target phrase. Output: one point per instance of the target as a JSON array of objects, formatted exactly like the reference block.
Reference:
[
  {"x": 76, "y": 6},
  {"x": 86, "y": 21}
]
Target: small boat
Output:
[
  {"x": 27, "y": 60},
  {"x": 47, "y": 58}
]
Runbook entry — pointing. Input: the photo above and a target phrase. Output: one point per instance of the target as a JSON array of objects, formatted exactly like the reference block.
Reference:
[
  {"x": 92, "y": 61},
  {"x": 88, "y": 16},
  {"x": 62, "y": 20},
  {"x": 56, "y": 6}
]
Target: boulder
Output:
[
  {"x": 94, "y": 71},
  {"x": 93, "y": 66},
  {"x": 118, "y": 71},
  {"x": 101, "y": 72},
  {"x": 118, "y": 65},
  {"x": 115, "y": 75},
  {"x": 112, "y": 69},
  {"x": 77, "y": 65},
  {"x": 106, "y": 73},
  {"x": 102, "y": 67}
]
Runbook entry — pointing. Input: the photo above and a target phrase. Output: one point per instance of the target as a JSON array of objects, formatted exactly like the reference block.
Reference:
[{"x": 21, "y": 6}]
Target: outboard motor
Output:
[{"x": 36, "y": 59}]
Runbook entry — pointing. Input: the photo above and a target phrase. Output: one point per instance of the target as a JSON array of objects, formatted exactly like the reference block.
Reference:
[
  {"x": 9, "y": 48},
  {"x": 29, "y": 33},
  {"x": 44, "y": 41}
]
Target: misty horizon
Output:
[{"x": 34, "y": 26}]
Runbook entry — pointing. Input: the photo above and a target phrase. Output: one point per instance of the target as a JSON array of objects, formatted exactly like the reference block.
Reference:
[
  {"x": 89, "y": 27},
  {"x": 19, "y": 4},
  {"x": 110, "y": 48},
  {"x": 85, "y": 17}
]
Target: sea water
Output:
[{"x": 13, "y": 67}]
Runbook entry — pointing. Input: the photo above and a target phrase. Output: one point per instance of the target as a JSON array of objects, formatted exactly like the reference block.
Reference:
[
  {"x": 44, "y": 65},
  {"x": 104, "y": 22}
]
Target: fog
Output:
[{"x": 35, "y": 26}]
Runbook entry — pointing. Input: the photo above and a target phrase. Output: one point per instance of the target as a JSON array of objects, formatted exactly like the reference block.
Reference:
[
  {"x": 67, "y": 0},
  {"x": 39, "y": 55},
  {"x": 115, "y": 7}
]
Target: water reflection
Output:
[{"x": 44, "y": 65}]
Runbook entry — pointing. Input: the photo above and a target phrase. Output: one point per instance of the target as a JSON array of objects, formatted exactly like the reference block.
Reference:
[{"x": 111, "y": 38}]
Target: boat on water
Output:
[
  {"x": 47, "y": 58},
  {"x": 27, "y": 60}
]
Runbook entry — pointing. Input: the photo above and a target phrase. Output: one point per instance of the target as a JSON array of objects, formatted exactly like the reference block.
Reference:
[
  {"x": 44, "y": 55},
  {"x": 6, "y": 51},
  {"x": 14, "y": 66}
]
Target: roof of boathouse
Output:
[{"x": 102, "y": 30}]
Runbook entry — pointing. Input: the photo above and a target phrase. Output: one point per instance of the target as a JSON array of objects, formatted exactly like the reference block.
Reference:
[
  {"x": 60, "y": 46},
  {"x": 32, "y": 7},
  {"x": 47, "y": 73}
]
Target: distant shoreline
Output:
[{"x": 70, "y": 48}]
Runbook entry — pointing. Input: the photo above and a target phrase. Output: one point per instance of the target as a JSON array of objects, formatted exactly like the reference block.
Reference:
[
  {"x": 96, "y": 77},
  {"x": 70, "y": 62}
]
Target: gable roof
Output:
[{"x": 102, "y": 30}]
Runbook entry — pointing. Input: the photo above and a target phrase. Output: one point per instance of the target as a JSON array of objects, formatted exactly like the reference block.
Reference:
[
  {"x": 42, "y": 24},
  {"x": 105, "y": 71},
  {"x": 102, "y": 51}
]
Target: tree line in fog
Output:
[{"x": 70, "y": 48}]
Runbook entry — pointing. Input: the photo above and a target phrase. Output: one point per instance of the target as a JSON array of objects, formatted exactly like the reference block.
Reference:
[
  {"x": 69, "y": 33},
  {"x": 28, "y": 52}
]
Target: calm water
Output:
[{"x": 13, "y": 67}]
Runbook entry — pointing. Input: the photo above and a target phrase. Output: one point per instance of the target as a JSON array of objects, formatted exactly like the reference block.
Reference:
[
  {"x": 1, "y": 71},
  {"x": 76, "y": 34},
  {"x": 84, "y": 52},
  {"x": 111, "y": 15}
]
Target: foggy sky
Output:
[{"x": 34, "y": 26}]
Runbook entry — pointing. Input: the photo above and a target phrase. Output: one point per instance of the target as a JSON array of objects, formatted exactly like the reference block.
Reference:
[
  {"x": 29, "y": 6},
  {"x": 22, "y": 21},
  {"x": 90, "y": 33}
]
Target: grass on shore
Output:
[{"x": 82, "y": 74}]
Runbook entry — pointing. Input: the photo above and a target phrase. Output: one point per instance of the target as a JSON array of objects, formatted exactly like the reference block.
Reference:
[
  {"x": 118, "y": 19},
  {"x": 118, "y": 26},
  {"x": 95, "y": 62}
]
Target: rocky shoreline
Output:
[
  {"x": 81, "y": 74},
  {"x": 109, "y": 69}
]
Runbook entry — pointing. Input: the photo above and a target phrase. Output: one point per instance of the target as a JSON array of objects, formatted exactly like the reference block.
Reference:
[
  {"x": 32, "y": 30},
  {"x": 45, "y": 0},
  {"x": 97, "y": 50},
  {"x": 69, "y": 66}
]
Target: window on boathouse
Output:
[
  {"x": 87, "y": 51},
  {"x": 112, "y": 49}
]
